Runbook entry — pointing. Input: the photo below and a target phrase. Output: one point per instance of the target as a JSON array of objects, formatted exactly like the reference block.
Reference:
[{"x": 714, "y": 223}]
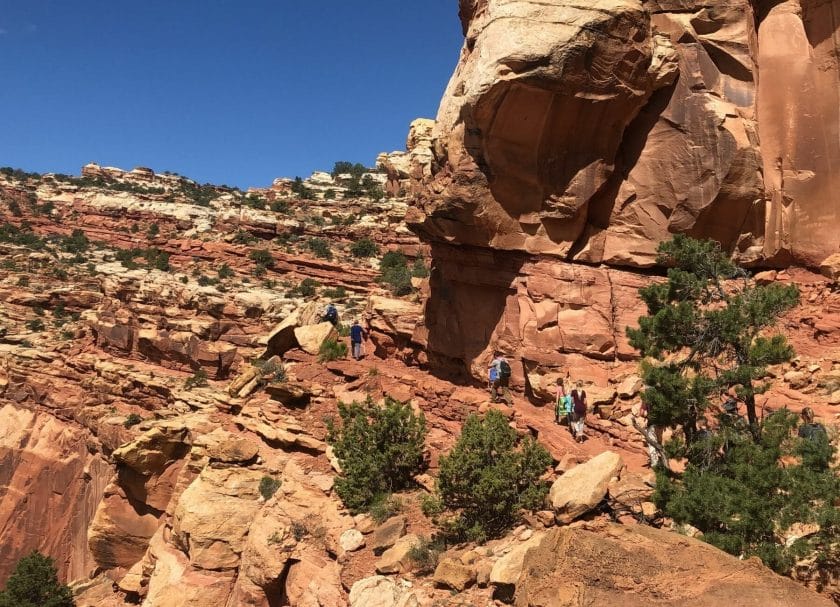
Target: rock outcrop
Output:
[
  {"x": 635, "y": 566},
  {"x": 593, "y": 132}
]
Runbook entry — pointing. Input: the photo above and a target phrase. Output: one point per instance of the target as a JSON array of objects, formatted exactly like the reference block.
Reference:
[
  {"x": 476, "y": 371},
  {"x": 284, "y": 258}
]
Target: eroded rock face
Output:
[
  {"x": 594, "y": 132},
  {"x": 634, "y": 566}
]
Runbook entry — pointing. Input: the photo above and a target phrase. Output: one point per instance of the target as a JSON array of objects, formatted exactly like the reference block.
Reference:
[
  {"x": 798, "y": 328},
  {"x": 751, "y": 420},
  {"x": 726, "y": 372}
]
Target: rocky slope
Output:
[
  {"x": 162, "y": 404},
  {"x": 143, "y": 478}
]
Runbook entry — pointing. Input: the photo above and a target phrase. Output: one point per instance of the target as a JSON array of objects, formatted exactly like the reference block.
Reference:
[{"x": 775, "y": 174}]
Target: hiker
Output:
[
  {"x": 492, "y": 376},
  {"x": 578, "y": 415},
  {"x": 357, "y": 335},
  {"x": 562, "y": 404},
  {"x": 331, "y": 314},
  {"x": 811, "y": 430},
  {"x": 502, "y": 381}
]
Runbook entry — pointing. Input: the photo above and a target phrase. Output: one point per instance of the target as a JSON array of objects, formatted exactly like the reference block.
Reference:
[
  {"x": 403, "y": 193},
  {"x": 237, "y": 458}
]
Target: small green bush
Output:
[
  {"x": 196, "y": 380},
  {"x": 393, "y": 270},
  {"x": 425, "y": 554},
  {"x": 153, "y": 231},
  {"x": 279, "y": 206},
  {"x": 254, "y": 201},
  {"x": 34, "y": 583},
  {"x": 23, "y": 281},
  {"x": 332, "y": 350},
  {"x": 337, "y": 293},
  {"x": 225, "y": 271},
  {"x": 419, "y": 269},
  {"x": 307, "y": 288},
  {"x": 36, "y": 325},
  {"x": 76, "y": 243},
  {"x": 320, "y": 248},
  {"x": 132, "y": 420},
  {"x": 489, "y": 476},
  {"x": 380, "y": 449},
  {"x": 262, "y": 257},
  {"x": 364, "y": 247},
  {"x": 243, "y": 237},
  {"x": 269, "y": 486},
  {"x": 384, "y": 507}
]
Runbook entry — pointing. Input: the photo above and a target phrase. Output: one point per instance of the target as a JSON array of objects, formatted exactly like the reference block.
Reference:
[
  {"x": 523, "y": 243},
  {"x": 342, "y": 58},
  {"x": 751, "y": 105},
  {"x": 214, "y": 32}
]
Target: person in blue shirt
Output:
[{"x": 357, "y": 335}]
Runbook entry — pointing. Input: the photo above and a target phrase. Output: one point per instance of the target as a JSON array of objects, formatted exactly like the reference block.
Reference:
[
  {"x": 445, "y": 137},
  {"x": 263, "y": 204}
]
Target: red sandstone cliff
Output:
[{"x": 592, "y": 132}]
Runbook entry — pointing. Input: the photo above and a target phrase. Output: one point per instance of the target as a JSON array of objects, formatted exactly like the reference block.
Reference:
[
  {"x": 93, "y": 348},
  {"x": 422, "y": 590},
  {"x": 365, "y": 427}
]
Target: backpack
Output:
[
  {"x": 504, "y": 368},
  {"x": 578, "y": 397},
  {"x": 813, "y": 432},
  {"x": 494, "y": 373},
  {"x": 332, "y": 313}
]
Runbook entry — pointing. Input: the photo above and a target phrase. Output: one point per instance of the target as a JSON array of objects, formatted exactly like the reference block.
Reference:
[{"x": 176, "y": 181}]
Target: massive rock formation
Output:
[
  {"x": 574, "y": 134},
  {"x": 593, "y": 132}
]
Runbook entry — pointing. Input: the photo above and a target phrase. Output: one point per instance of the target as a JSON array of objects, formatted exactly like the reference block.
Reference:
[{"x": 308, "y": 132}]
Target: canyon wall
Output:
[{"x": 571, "y": 136}]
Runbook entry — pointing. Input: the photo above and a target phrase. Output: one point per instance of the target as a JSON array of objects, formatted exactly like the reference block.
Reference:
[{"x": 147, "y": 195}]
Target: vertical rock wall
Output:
[{"x": 587, "y": 133}]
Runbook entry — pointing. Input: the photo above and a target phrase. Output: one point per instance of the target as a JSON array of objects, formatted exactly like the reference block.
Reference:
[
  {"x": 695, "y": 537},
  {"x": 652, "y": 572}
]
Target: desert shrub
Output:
[
  {"x": 157, "y": 259},
  {"x": 393, "y": 271},
  {"x": 132, "y": 420},
  {"x": 196, "y": 380},
  {"x": 489, "y": 476},
  {"x": 279, "y": 206},
  {"x": 329, "y": 194},
  {"x": 419, "y": 269},
  {"x": 36, "y": 325},
  {"x": 384, "y": 507},
  {"x": 225, "y": 271},
  {"x": 319, "y": 247},
  {"x": 336, "y": 293},
  {"x": 425, "y": 554},
  {"x": 244, "y": 237},
  {"x": 269, "y": 486},
  {"x": 206, "y": 281},
  {"x": 364, "y": 247},
  {"x": 301, "y": 190},
  {"x": 380, "y": 449},
  {"x": 307, "y": 288},
  {"x": 262, "y": 257},
  {"x": 332, "y": 350},
  {"x": 34, "y": 583},
  {"x": 153, "y": 231},
  {"x": 22, "y": 236},
  {"x": 253, "y": 201},
  {"x": 76, "y": 243},
  {"x": 23, "y": 281}
]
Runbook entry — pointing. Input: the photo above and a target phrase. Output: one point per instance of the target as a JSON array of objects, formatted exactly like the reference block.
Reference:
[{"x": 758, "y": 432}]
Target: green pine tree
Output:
[
  {"x": 709, "y": 331},
  {"x": 34, "y": 583},
  {"x": 705, "y": 333}
]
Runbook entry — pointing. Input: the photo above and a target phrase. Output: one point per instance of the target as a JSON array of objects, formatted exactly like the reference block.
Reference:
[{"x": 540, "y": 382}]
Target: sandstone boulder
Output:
[
  {"x": 311, "y": 337},
  {"x": 387, "y": 534},
  {"x": 351, "y": 540},
  {"x": 507, "y": 569},
  {"x": 375, "y": 591},
  {"x": 584, "y": 486},
  {"x": 639, "y": 566},
  {"x": 830, "y": 266},
  {"x": 396, "y": 558},
  {"x": 453, "y": 574}
]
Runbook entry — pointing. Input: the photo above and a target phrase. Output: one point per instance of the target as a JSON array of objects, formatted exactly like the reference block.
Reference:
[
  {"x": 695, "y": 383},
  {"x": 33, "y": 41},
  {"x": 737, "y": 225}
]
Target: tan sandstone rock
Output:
[{"x": 584, "y": 486}]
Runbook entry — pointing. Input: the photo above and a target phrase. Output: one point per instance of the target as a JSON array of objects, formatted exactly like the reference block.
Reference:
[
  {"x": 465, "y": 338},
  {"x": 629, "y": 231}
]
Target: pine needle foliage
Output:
[{"x": 380, "y": 449}]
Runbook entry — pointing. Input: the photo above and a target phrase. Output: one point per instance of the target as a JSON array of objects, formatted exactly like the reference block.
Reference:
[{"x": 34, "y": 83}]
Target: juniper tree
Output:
[
  {"x": 705, "y": 334},
  {"x": 34, "y": 583},
  {"x": 746, "y": 486}
]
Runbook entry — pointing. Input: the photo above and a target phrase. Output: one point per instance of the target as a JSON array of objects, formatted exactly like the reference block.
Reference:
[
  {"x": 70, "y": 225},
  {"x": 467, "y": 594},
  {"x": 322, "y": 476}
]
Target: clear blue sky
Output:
[{"x": 226, "y": 91}]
